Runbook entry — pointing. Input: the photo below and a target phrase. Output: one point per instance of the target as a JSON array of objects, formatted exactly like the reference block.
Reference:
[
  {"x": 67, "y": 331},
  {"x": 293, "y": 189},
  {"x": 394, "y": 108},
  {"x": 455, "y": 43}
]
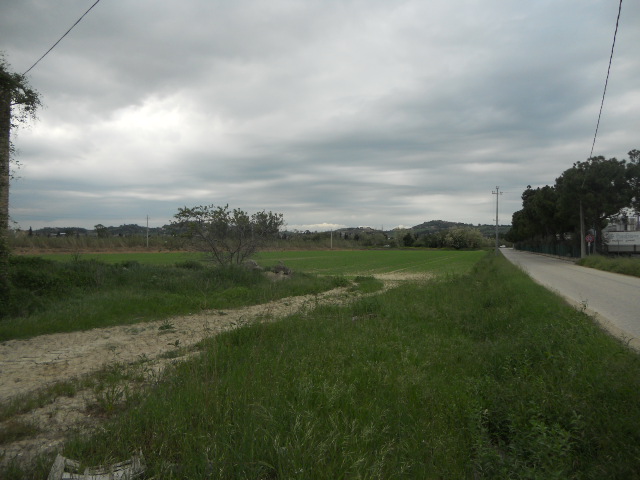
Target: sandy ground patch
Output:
[{"x": 27, "y": 366}]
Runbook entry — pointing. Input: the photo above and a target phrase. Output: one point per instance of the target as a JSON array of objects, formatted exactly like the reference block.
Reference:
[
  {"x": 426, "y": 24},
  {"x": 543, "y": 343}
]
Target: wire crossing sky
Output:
[
  {"x": 60, "y": 39},
  {"x": 349, "y": 113},
  {"x": 607, "y": 80}
]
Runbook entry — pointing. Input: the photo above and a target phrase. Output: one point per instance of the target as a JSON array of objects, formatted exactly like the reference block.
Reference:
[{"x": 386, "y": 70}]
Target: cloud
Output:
[{"x": 331, "y": 112}]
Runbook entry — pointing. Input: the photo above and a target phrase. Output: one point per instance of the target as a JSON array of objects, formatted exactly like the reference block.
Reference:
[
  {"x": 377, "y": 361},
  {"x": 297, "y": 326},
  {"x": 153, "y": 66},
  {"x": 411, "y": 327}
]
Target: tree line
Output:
[{"x": 583, "y": 200}]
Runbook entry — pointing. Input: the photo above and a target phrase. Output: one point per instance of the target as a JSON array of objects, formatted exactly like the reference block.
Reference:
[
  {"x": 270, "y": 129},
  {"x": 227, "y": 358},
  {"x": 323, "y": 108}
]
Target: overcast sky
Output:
[{"x": 332, "y": 112}]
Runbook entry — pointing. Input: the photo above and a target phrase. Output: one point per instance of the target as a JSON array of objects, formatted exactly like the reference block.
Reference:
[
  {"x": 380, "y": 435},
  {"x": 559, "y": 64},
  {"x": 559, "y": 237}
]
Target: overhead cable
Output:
[
  {"x": 607, "y": 80},
  {"x": 60, "y": 39}
]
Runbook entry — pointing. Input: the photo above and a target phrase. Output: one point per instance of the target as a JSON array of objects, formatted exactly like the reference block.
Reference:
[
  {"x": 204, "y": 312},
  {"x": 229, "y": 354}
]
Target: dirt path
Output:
[{"x": 28, "y": 366}]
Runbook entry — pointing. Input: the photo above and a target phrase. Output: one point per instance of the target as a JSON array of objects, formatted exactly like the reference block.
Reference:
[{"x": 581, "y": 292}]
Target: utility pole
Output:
[
  {"x": 147, "y": 231},
  {"x": 497, "y": 193}
]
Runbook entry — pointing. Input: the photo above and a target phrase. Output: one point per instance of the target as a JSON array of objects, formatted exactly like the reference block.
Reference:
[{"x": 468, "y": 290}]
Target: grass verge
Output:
[
  {"x": 626, "y": 266},
  {"x": 484, "y": 375}
]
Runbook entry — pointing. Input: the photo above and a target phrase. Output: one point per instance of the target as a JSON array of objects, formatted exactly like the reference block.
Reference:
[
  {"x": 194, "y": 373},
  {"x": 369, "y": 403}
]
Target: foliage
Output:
[
  {"x": 463, "y": 238},
  {"x": 598, "y": 187},
  {"x": 633, "y": 177},
  {"x": 455, "y": 237},
  {"x": 229, "y": 236},
  {"x": 25, "y": 99},
  {"x": 539, "y": 214},
  {"x": 403, "y": 237},
  {"x": 101, "y": 230},
  {"x": 18, "y": 103}
]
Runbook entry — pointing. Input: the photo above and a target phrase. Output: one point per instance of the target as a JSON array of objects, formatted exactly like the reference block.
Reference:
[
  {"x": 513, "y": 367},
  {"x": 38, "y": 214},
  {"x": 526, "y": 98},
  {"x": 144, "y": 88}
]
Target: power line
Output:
[
  {"x": 60, "y": 39},
  {"x": 607, "y": 80}
]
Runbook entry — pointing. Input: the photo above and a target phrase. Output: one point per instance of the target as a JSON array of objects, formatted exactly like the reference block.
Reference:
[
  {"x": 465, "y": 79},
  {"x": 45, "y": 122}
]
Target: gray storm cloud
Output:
[{"x": 333, "y": 113}]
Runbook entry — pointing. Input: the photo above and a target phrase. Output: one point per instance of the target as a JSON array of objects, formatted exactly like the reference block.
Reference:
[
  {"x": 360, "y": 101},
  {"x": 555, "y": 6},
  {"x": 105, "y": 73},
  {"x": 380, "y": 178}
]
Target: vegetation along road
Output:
[{"x": 612, "y": 298}]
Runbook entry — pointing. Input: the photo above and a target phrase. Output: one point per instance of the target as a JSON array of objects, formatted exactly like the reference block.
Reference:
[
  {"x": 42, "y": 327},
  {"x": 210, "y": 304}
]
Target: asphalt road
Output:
[{"x": 613, "y": 299}]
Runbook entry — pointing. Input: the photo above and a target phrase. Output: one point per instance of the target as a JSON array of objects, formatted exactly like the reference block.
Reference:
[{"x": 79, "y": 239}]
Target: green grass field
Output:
[
  {"x": 325, "y": 262},
  {"x": 478, "y": 375},
  {"x": 372, "y": 262}
]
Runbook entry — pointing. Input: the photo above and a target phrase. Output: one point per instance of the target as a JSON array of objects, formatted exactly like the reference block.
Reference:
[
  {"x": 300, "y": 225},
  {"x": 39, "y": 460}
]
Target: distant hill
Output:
[
  {"x": 435, "y": 226},
  {"x": 121, "y": 231},
  {"x": 425, "y": 228}
]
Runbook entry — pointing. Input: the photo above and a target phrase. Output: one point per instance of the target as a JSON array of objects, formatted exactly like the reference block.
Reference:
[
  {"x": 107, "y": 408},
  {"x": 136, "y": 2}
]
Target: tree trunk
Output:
[
  {"x": 583, "y": 247},
  {"x": 5, "y": 132}
]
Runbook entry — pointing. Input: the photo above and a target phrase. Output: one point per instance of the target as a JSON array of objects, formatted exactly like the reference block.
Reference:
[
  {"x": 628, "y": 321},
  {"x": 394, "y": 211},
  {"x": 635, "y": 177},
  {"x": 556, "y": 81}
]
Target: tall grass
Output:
[
  {"x": 484, "y": 375},
  {"x": 50, "y": 297},
  {"x": 624, "y": 265}
]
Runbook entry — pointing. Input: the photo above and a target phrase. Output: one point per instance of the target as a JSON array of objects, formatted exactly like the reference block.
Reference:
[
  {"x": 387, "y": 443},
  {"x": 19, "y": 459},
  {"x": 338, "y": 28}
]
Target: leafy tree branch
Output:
[{"x": 228, "y": 236}]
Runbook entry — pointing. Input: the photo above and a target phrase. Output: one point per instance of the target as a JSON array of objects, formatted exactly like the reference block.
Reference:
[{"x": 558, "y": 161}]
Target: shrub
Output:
[{"x": 190, "y": 265}]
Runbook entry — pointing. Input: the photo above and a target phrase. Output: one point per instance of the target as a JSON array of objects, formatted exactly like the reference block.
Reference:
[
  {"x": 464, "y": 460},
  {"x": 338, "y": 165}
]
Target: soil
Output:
[{"x": 29, "y": 366}]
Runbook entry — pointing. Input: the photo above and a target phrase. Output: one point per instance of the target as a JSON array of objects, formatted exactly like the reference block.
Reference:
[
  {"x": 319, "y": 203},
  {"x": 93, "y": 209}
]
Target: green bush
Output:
[{"x": 190, "y": 265}]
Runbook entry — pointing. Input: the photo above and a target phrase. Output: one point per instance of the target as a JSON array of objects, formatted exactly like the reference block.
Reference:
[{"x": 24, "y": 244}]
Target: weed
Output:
[
  {"x": 166, "y": 326},
  {"x": 110, "y": 397},
  {"x": 115, "y": 387},
  {"x": 14, "y": 430}
]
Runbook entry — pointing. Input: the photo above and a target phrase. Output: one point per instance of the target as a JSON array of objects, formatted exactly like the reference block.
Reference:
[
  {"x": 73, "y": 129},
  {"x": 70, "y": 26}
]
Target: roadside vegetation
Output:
[
  {"x": 624, "y": 265},
  {"x": 555, "y": 218},
  {"x": 483, "y": 374},
  {"x": 50, "y": 297}
]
